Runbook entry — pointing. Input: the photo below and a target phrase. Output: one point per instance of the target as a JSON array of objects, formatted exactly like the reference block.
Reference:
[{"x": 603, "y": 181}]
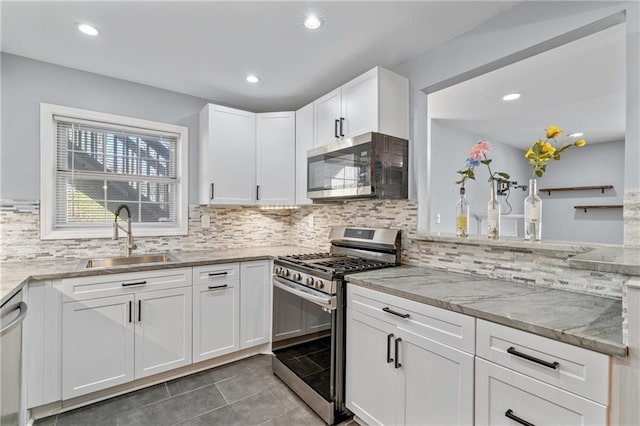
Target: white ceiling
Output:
[
  {"x": 580, "y": 87},
  {"x": 207, "y": 48}
]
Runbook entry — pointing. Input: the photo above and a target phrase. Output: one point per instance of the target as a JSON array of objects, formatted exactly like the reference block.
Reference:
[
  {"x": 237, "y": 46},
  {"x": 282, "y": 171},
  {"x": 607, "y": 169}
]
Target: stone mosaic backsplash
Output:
[
  {"x": 309, "y": 226},
  {"x": 631, "y": 218}
]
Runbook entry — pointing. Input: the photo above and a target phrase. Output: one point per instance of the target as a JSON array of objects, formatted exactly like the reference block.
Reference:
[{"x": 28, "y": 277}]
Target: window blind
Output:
[{"x": 101, "y": 165}]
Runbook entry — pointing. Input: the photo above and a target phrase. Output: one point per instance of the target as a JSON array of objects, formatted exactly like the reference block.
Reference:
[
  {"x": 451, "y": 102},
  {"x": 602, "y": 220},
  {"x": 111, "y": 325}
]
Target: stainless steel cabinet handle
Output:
[
  {"x": 217, "y": 274},
  {"x": 398, "y": 314},
  {"x": 212, "y": 193},
  {"x": 509, "y": 414},
  {"x": 389, "y": 339},
  {"x": 22, "y": 308},
  {"x": 335, "y": 128},
  {"x": 397, "y": 348},
  {"x": 553, "y": 365},
  {"x": 215, "y": 287},
  {"x": 136, "y": 283},
  {"x": 341, "y": 122},
  {"x": 139, "y": 310}
]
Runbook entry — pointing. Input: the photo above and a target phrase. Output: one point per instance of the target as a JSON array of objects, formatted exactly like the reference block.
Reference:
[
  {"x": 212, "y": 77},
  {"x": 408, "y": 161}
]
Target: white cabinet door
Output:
[
  {"x": 360, "y": 105},
  {"x": 216, "y": 316},
  {"x": 255, "y": 303},
  {"x": 304, "y": 142},
  {"x": 276, "y": 158},
  {"x": 163, "y": 321},
  {"x": 438, "y": 383},
  {"x": 327, "y": 110},
  {"x": 227, "y": 156},
  {"x": 372, "y": 379},
  {"x": 97, "y": 344},
  {"x": 288, "y": 315},
  {"x": 502, "y": 394}
]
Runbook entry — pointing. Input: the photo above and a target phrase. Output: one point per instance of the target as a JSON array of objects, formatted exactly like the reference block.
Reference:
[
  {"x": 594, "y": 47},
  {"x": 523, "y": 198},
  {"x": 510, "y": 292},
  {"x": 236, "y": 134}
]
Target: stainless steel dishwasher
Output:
[{"x": 12, "y": 314}]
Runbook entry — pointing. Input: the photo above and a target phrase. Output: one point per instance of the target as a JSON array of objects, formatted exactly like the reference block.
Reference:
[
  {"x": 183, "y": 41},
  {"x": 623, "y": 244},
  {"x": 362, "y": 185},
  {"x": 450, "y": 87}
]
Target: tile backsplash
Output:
[{"x": 236, "y": 227}]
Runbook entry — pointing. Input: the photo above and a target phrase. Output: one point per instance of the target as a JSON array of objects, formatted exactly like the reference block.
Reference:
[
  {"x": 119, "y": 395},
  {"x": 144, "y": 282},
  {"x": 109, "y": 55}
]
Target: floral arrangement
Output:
[
  {"x": 541, "y": 152},
  {"x": 477, "y": 156}
]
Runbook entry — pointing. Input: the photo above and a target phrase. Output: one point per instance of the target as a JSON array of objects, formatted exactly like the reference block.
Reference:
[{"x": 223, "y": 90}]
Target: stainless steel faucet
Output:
[{"x": 130, "y": 245}]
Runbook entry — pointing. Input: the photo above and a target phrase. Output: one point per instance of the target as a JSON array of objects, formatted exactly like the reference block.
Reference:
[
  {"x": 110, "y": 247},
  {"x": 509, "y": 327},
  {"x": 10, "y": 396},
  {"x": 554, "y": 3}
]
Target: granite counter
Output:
[{"x": 587, "y": 321}]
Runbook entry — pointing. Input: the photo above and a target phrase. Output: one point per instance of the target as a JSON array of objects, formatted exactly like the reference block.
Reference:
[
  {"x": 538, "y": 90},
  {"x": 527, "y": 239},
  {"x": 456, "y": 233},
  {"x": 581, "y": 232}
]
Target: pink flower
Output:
[{"x": 479, "y": 150}]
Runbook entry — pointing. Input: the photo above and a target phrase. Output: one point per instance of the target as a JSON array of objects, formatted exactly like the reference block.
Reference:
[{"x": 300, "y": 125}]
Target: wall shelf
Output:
[
  {"x": 576, "y": 188},
  {"x": 598, "y": 206}
]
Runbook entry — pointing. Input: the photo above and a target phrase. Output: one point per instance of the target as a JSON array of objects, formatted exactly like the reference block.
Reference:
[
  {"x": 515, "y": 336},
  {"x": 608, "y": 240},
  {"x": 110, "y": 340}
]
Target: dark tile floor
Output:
[{"x": 242, "y": 393}]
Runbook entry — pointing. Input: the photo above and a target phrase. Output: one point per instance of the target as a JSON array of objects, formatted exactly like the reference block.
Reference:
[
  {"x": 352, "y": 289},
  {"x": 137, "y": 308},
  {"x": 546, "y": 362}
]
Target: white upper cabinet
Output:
[
  {"x": 376, "y": 101},
  {"x": 227, "y": 156},
  {"x": 276, "y": 158},
  {"x": 304, "y": 142}
]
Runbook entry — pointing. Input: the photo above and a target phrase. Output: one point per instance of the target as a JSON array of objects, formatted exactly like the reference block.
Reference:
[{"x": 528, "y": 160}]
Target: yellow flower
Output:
[
  {"x": 553, "y": 132},
  {"x": 529, "y": 153},
  {"x": 580, "y": 143},
  {"x": 547, "y": 148}
]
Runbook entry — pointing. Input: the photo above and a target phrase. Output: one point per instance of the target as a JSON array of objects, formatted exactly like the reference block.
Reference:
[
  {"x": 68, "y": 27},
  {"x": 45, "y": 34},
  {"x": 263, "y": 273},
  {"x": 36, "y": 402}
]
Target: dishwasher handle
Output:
[{"x": 22, "y": 308}]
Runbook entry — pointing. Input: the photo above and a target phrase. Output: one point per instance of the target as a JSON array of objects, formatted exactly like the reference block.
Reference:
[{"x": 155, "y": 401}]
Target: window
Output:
[{"x": 93, "y": 162}]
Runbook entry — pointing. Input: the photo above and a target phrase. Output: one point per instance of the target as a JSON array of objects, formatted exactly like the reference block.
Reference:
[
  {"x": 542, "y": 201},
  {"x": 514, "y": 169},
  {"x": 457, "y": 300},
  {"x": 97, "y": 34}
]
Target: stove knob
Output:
[
  {"x": 277, "y": 270},
  {"x": 319, "y": 284},
  {"x": 297, "y": 277},
  {"x": 310, "y": 281},
  {"x": 285, "y": 273}
]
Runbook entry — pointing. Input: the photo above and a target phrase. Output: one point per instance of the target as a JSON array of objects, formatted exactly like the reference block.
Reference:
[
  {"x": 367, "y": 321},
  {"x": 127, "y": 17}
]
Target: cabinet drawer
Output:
[
  {"x": 443, "y": 326},
  {"x": 502, "y": 394},
  {"x": 115, "y": 284},
  {"x": 216, "y": 273},
  {"x": 579, "y": 370}
]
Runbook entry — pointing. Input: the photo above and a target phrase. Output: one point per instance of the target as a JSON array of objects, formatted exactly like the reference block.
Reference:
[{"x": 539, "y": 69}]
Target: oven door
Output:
[{"x": 304, "y": 344}]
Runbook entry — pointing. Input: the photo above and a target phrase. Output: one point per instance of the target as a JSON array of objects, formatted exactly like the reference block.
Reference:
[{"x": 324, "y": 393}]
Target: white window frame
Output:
[{"x": 48, "y": 146}]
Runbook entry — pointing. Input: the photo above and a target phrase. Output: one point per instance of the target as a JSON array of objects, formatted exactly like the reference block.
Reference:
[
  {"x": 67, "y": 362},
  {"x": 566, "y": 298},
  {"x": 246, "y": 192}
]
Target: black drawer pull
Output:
[
  {"x": 136, "y": 283},
  {"x": 212, "y": 191},
  {"x": 341, "y": 122},
  {"x": 389, "y": 339},
  {"x": 335, "y": 128},
  {"x": 397, "y": 348},
  {"x": 215, "y": 287},
  {"x": 553, "y": 365},
  {"x": 509, "y": 414},
  {"x": 217, "y": 274},
  {"x": 130, "y": 309},
  {"x": 398, "y": 314},
  {"x": 139, "y": 310}
]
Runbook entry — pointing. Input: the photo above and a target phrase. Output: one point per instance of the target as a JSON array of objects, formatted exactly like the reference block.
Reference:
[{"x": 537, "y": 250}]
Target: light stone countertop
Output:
[
  {"x": 618, "y": 260},
  {"x": 13, "y": 275},
  {"x": 587, "y": 321}
]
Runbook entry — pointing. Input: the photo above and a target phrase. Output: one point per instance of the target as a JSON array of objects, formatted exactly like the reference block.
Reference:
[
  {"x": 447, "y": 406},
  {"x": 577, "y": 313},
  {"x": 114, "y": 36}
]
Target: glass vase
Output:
[
  {"x": 533, "y": 213},
  {"x": 493, "y": 213},
  {"x": 462, "y": 215}
]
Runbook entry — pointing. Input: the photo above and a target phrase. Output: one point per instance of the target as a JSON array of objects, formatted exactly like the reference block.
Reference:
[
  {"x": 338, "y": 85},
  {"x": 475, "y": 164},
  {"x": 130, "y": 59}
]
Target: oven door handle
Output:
[{"x": 327, "y": 302}]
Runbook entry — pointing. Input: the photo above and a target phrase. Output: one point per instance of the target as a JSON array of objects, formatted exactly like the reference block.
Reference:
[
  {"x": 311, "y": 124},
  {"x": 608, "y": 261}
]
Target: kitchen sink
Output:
[{"x": 107, "y": 262}]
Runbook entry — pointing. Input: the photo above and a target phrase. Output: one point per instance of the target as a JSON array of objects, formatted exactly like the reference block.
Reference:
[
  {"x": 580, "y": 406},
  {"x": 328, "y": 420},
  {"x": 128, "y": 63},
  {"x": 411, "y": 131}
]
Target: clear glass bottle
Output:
[
  {"x": 533, "y": 213},
  {"x": 462, "y": 215},
  {"x": 493, "y": 214}
]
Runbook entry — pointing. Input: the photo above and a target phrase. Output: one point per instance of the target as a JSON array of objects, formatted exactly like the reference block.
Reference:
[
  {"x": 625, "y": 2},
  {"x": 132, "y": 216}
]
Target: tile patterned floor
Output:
[{"x": 242, "y": 393}]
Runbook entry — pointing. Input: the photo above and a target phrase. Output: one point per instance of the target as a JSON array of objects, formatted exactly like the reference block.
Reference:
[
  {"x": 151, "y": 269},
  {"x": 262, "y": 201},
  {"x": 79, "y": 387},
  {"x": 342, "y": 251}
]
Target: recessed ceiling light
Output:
[
  {"x": 511, "y": 97},
  {"x": 576, "y": 135},
  {"x": 312, "y": 22},
  {"x": 88, "y": 29},
  {"x": 253, "y": 78}
]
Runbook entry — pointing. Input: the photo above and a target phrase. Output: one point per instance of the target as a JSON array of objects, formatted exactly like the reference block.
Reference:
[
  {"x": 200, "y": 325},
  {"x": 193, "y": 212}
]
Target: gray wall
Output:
[
  {"x": 597, "y": 164},
  {"x": 522, "y": 31},
  {"x": 450, "y": 149},
  {"x": 26, "y": 83}
]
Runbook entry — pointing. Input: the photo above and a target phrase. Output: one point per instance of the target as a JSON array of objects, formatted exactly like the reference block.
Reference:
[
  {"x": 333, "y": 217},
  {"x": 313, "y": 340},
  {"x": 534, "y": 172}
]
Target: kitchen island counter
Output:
[{"x": 591, "y": 322}]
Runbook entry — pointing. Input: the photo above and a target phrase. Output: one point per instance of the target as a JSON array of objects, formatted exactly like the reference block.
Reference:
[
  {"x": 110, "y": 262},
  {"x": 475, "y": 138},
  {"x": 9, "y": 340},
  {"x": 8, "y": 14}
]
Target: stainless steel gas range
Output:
[{"x": 309, "y": 313}]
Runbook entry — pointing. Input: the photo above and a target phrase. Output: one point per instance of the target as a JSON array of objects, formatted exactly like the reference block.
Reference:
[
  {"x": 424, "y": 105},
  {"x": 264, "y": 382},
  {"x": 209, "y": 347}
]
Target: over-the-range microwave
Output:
[{"x": 370, "y": 165}]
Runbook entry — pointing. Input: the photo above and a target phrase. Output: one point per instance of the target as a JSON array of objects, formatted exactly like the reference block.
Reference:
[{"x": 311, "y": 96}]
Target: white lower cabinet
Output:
[
  {"x": 504, "y": 397},
  {"x": 396, "y": 376},
  {"x": 107, "y": 341},
  {"x": 216, "y": 315},
  {"x": 255, "y": 303}
]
